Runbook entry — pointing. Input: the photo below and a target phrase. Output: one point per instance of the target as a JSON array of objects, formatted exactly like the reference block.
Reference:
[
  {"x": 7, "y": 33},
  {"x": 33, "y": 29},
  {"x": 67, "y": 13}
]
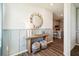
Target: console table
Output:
[{"x": 34, "y": 37}]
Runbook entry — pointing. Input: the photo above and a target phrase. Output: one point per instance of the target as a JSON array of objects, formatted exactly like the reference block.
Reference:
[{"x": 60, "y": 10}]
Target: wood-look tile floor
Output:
[
  {"x": 54, "y": 49},
  {"x": 75, "y": 51}
]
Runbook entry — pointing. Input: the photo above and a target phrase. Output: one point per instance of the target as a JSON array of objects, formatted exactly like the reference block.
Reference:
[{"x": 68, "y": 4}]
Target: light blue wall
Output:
[
  {"x": 14, "y": 41},
  {"x": 0, "y": 27}
]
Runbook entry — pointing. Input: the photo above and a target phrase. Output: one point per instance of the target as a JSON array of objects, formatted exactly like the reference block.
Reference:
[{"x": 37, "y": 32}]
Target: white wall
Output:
[
  {"x": 18, "y": 14},
  {"x": 73, "y": 26},
  {"x": 77, "y": 28},
  {"x": 69, "y": 27},
  {"x": 16, "y": 17}
]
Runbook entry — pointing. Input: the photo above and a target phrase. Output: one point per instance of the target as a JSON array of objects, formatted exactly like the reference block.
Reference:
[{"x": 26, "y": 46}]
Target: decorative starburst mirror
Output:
[{"x": 36, "y": 19}]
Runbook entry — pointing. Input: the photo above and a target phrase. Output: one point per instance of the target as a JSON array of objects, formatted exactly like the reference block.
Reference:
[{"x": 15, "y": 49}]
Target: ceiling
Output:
[{"x": 56, "y": 8}]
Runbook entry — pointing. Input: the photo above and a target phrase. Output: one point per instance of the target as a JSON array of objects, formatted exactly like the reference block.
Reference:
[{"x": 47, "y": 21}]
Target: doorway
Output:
[{"x": 58, "y": 31}]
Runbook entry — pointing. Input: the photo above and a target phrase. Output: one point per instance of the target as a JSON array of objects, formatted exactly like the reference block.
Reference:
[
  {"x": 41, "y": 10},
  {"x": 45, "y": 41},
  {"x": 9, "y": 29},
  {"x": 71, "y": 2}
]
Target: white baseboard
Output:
[
  {"x": 19, "y": 53},
  {"x": 49, "y": 42}
]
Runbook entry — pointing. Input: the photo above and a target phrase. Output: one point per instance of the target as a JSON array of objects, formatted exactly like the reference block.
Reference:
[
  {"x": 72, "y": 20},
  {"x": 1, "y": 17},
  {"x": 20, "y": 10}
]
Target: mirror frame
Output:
[{"x": 36, "y": 14}]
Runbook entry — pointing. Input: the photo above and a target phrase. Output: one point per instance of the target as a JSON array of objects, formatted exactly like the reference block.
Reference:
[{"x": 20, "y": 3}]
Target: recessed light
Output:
[{"x": 51, "y": 4}]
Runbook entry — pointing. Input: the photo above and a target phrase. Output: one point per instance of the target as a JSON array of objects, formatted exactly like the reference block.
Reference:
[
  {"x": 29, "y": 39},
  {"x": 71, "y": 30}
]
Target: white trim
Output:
[
  {"x": 49, "y": 42},
  {"x": 19, "y": 53}
]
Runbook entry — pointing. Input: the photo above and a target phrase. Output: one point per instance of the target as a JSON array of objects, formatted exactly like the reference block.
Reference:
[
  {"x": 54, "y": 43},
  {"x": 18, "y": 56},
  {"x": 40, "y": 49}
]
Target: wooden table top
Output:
[{"x": 37, "y": 36}]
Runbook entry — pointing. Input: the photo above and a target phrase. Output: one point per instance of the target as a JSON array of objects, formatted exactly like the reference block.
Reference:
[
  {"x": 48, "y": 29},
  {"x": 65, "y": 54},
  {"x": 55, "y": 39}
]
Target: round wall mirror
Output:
[{"x": 37, "y": 20}]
